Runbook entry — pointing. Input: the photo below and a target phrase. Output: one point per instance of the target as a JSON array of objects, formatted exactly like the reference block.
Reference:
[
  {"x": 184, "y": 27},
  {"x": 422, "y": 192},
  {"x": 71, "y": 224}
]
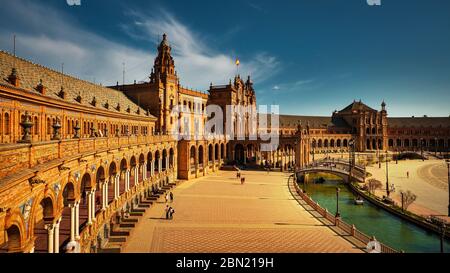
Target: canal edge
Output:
[{"x": 358, "y": 243}]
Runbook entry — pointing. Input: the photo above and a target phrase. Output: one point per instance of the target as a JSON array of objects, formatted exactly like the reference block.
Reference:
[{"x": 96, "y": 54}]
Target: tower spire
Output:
[{"x": 164, "y": 64}]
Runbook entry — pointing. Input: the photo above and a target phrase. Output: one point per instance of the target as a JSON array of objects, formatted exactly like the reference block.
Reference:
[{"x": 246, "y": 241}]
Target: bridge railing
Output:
[
  {"x": 362, "y": 168},
  {"x": 340, "y": 169},
  {"x": 347, "y": 228}
]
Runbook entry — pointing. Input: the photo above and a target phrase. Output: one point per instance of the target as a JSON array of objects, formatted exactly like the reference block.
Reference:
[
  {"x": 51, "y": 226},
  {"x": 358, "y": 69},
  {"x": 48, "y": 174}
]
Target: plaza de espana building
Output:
[{"x": 76, "y": 158}]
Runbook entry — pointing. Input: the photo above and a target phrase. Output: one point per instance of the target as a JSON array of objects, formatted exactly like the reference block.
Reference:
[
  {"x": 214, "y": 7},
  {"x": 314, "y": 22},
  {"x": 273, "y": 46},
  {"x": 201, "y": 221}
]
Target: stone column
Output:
[
  {"x": 159, "y": 164},
  {"x": 167, "y": 162},
  {"x": 89, "y": 198},
  {"x": 105, "y": 195},
  {"x": 77, "y": 220},
  {"x": 93, "y": 205},
  {"x": 72, "y": 221},
  {"x": 152, "y": 168},
  {"x": 56, "y": 233},
  {"x": 50, "y": 236},
  {"x": 136, "y": 175},
  {"x": 127, "y": 180},
  {"x": 144, "y": 171},
  {"x": 117, "y": 186}
]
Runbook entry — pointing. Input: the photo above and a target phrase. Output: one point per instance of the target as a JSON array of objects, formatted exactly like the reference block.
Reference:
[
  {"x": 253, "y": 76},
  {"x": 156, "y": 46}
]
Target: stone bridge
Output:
[{"x": 339, "y": 168}]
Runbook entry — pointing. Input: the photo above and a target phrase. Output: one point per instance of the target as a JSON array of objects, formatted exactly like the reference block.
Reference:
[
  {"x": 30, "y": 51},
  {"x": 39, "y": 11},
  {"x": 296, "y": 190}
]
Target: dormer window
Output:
[
  {"x": 40, "y": 87},
  {"x": 62, "y": 93}
]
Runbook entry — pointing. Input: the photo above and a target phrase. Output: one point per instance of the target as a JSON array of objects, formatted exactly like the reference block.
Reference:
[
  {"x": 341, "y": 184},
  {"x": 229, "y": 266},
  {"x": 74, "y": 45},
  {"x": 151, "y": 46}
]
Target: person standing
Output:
[
  {"x": 167, "y": 212},
  {"x": 171, "y": 197},
  {"x": 407, "y": 175},
  {"x": 171, "y": 212}
]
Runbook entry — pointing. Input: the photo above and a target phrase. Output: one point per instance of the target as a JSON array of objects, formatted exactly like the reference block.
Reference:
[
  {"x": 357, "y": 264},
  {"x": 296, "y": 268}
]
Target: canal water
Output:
[{"x": 371, "y": 220}]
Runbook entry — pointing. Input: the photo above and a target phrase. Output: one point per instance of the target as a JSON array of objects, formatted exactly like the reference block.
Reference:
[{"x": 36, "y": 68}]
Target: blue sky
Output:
[{"x": 310, "y": 57}]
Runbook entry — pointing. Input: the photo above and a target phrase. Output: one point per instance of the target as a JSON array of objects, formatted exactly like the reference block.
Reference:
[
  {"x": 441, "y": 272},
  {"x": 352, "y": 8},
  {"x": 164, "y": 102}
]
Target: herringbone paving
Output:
[{"x": 218, "y": 214}]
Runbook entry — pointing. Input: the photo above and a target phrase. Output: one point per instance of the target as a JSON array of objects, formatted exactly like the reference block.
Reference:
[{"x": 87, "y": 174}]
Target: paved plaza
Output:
[
  {"x": 427, "y": 179},
  {"x": 218, "y": 214}
]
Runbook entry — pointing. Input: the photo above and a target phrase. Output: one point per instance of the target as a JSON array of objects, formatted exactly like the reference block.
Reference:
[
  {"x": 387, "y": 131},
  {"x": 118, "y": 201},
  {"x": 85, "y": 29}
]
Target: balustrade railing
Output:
[
  {"x": 103, "y": 216},
  {"x": 36, "y": 153},
  {"x": 350, "y": 229}
]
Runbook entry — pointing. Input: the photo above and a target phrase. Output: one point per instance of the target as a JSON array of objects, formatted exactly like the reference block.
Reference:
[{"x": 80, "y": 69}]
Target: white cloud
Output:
[
  {"x": 197, "y": 63},
  {"x": 51, "y": 37},
  {"x": 299, "y": 85},
  {"x": 303, "y": 82}
]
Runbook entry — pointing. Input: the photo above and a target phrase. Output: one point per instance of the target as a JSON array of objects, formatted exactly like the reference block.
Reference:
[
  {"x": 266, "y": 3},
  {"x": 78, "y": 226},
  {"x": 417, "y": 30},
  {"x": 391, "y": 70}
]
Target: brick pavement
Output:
[{"x": 218, "y": 214}]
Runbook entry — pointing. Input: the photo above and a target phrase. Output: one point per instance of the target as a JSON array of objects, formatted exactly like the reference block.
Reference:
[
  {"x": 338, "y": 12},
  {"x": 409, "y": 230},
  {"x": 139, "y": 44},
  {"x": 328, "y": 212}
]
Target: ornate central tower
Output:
[{"x": 164, "y": 77}]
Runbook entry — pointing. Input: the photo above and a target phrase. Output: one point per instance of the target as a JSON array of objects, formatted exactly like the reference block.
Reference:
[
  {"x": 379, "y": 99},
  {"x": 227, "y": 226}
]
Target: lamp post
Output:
[
  {"x": 351, "y": 144},
  {"x": 337, "y": 202},
  {"x": 441, "y": 223},
  {"x": 403, "y": 202},
  {"x": 448, "y": 178},
  {"x": 387, "y": 176}
]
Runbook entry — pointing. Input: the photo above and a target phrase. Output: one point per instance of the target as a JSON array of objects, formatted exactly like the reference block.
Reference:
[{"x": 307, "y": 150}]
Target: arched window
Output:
[
  {"x": 49, "y": 126},
  {"x": 36, "y": 125},
  {"x": 6, "y": 122},
  {"x": 391, "y": 143}
]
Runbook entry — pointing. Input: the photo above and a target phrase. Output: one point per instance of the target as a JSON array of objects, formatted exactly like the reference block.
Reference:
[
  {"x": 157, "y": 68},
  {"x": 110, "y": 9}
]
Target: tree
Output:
[
  {"x": 407, "y": 199},
  {"x": 373, "y": 185}
]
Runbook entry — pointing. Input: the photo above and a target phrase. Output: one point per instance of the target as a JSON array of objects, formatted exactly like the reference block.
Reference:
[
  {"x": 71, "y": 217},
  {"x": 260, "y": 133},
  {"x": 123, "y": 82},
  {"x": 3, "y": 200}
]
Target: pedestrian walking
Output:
[
  {"x": 167, "y": 209},
  {"x": 407, "y": 175},
  {"x": 171, "y": 197},
  {"x": 171, "y": 211}
]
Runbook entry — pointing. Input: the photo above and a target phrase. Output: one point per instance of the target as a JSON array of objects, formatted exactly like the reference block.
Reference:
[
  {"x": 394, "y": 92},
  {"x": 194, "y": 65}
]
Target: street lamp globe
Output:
[{"x": 337, "y": 202}]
